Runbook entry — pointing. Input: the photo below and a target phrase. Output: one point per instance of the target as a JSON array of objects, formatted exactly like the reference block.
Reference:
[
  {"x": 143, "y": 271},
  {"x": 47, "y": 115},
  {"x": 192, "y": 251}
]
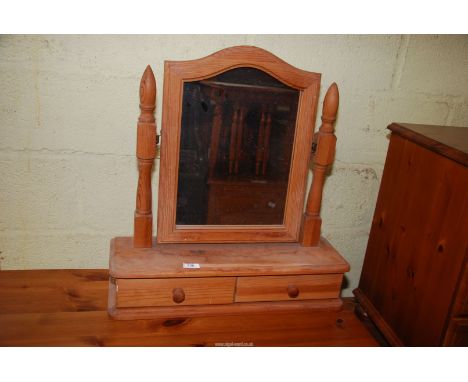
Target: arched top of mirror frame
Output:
[{"x": 176, "y": 73}]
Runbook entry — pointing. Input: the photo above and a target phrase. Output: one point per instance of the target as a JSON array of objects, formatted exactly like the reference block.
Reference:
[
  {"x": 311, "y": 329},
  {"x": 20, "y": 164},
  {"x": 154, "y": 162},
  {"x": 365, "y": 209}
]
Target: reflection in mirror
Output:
[{"x": 237, "y": 134}]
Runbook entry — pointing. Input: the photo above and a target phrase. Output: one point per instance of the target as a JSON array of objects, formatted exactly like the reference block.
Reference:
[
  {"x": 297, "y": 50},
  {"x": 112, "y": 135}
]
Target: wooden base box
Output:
[{"x": 176, "y": 280}]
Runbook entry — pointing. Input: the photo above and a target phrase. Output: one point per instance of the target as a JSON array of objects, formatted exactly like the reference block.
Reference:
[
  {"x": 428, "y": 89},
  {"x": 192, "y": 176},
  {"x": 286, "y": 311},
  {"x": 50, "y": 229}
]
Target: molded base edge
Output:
[{"x": 377, "y": 319}]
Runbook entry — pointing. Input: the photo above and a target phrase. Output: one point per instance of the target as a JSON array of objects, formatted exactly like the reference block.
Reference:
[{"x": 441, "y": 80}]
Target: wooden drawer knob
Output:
[
  {"x": 293, "y": 291},
  {"x": 178, "y": 295}
]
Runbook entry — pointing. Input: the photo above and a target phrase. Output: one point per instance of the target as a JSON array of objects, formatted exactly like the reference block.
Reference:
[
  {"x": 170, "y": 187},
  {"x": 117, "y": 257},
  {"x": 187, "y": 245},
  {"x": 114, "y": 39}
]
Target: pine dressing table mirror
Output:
[{"x": 232, "y": 233}]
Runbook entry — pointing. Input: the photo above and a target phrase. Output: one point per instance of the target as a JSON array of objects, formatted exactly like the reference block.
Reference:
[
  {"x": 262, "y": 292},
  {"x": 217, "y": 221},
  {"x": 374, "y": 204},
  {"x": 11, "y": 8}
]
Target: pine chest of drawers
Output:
[{"x": 414, "y": 279}]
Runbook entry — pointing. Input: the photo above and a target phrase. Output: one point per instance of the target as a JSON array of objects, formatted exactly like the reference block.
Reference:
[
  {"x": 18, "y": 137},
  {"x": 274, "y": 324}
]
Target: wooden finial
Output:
[
  {"x": 146, "y": 152},
  {"x": 330, "y": 106},
  {"x": 147, "y": 96},
  {"x": 325, "y": 141}
]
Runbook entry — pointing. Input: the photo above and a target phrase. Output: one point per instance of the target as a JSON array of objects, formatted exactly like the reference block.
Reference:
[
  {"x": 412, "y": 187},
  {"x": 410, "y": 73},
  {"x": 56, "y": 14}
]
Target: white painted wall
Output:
[{"x": 68, "y": 111}]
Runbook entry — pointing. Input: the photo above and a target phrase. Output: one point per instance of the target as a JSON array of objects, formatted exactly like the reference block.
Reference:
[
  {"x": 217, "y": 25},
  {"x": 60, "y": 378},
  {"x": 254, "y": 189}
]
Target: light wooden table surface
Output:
[{"x": 68, "y": 308}]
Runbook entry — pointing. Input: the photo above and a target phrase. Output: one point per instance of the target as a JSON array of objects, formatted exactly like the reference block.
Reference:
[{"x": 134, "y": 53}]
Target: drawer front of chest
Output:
[
  {"x": 236, "y": 205},
  {"x": 255, "y": 201},
  {"x": 283, "y": 288},
  {"x": 174, "y": 291},
  {"x": 464, "y": 302},
  {"x": 461, "y": 300},
  {"x": 457, "y": 332}
]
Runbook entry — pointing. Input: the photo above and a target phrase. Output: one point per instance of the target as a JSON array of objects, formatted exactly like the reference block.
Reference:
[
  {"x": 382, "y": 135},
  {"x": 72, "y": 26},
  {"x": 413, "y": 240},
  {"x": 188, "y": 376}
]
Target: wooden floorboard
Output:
[{"x": 68, "y": 308}]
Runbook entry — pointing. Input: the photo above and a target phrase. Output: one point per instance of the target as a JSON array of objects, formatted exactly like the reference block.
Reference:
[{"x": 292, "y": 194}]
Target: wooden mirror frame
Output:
[{"x": 178, "y": 72}]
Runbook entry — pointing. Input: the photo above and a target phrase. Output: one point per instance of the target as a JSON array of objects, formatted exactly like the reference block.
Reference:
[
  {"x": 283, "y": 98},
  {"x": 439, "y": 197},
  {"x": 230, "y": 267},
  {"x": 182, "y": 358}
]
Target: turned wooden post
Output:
[
  {"x": 325, "y": 141},
  {"x": 260, "y": 139},
  {"x": 240, "y": 132},
  {"x": 266, "y": 144},
  {"x": 146, "y": 152},
  {"x": 215, "y": 132},
  {"x": 232, "y": 141}
]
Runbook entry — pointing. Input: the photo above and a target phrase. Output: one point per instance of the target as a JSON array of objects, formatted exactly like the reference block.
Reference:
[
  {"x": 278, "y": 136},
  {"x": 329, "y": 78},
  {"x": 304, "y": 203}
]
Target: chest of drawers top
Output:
[{"x": 449, "y": 141}]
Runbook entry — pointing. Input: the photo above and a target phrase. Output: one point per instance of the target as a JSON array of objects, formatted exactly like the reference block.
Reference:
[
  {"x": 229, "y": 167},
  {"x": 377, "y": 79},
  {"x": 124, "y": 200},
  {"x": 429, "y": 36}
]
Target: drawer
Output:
[
  {"x": 457, "y": 332},
  {"x": 461, "y": 300},
  {"x": 255, "y": 201},
  {"x": 248, "y": 218},
  {"x": 464, "y": 303},
  {"x": 174, "y": 291},
  {"x": 279, "y": 288}
]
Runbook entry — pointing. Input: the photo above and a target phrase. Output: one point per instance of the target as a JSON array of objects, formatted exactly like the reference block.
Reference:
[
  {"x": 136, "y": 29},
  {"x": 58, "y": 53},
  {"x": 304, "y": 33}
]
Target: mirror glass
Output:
[{"x": 237, "y": 134}]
